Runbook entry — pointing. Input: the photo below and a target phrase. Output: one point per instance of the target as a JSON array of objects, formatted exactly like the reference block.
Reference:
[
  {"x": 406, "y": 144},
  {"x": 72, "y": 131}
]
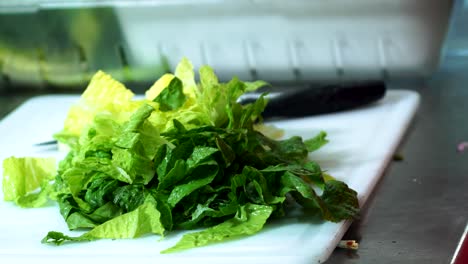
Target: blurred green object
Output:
[{"x": 63, "y": 48}]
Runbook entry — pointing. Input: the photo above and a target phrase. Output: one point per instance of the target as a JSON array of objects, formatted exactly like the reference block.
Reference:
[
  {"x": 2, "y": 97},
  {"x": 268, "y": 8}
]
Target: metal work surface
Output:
[{"x": 419, "y": 209}]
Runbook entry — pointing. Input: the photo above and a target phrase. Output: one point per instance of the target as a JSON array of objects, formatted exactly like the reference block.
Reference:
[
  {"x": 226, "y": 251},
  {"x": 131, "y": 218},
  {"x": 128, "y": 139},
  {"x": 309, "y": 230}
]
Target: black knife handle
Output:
[{"x": 318, "y": 99}]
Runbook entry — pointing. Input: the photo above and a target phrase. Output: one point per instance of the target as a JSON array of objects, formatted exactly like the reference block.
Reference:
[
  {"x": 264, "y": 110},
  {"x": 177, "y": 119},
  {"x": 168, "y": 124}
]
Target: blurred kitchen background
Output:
[
  {"x": 49, "y": 47},
  {"x": 57, "y": 45}
]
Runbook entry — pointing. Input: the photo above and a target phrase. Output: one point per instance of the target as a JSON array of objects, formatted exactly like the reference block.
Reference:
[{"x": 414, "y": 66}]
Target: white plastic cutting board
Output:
[{"x": 362, "y": 143}]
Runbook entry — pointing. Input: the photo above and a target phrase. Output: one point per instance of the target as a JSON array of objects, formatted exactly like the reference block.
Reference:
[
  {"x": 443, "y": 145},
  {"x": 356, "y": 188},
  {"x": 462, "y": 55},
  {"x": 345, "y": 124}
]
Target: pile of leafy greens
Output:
[{"x": 185, "y": 157}]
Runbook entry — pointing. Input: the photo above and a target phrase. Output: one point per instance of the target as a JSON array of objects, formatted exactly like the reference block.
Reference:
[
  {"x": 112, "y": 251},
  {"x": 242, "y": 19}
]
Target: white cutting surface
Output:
[{"x": 362, "y": 143}]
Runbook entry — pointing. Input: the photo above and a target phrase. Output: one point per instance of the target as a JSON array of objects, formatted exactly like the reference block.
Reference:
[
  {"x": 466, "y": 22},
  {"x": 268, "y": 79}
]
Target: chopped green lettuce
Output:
[
  {"x": 187, "y": 156},
  {"x": 143, "y": 220},
  {"x": 158, "y": 86},
  {"x": 248, "y": 220},
  {"x": 26, "y": 180},
  {"x": 184, "y": 71},
  {"x": 171, "y": 97},
  {"x": 103, "y": 94},
  {"x": 316, "y": 142}
]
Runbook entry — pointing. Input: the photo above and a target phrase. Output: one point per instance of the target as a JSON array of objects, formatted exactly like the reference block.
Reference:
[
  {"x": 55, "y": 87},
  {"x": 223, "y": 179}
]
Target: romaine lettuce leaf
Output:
[
  {"x": 143, "y": 220},
  {"x": 172, "y": 97},
  {"x": 103, "y": 94},
  {"x": 158, "y": 86},
  {"x": 249, "y": 220},
  {"x": 208, "y": 103},
  {"x": 316, "y": 142},
  {"x": 340, "y": 200},
  {"x": 23, "y": 176},
  {"x": 184, "y": 71}
]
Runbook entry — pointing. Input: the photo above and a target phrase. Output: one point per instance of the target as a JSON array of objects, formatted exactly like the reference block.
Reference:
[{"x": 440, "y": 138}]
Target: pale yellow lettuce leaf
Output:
[
  {"x": 23, "y": 178},
  {"x": 103, "y": 94}
]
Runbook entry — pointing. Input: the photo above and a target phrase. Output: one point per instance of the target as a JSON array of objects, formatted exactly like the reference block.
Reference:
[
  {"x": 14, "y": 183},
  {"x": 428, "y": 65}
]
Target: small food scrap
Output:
[{"x": 348, "y": 244}]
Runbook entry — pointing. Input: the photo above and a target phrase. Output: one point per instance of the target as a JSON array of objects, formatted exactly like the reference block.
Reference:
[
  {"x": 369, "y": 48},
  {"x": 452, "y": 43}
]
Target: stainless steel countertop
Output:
[{"x": 419, "y": 209}]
